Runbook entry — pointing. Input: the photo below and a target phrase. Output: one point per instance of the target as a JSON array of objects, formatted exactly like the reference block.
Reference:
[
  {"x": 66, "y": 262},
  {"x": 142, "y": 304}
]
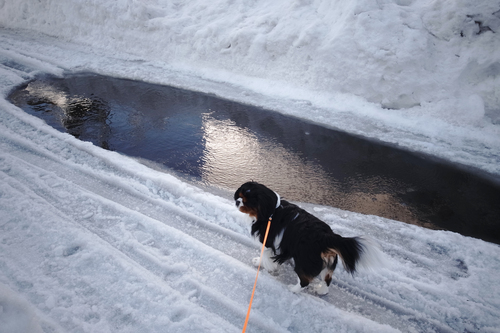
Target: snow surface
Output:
[{"x": 92, "y": 241}]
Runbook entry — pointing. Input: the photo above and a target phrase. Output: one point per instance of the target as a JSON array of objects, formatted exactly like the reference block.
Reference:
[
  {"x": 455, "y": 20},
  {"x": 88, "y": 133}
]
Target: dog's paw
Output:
[
  {"x": 321, "y": 289},
  {"x": 256, "y": 261},
  {"x": 295, "y": 288}
]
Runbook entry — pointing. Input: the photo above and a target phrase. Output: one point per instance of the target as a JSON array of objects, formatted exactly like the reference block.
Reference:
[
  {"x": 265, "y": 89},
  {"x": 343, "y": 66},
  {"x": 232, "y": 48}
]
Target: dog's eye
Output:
[{"x": 247, "y": 191}]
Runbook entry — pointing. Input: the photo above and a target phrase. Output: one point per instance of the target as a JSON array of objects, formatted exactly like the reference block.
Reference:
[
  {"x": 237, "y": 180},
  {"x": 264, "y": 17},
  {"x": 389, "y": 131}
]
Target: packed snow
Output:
[{"x": 93, "y": 241}]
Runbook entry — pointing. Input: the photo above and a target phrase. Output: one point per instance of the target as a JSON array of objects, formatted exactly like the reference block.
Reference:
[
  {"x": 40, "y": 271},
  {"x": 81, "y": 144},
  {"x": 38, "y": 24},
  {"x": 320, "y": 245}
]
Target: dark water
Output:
[{"x": 223, "y": 143}]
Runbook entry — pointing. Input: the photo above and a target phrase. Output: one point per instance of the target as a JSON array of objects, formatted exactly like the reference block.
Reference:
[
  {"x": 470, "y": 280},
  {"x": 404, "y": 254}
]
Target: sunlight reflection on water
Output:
[{"x": 233, "y": 154}]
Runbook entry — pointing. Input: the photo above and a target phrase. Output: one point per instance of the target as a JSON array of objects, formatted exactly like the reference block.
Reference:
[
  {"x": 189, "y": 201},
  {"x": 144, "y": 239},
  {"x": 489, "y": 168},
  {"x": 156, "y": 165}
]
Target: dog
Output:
[{"x": 296, "y": 234}]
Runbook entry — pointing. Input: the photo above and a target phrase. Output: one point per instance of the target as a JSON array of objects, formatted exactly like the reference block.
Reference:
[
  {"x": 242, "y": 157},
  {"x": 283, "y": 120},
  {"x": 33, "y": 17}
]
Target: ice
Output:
[{"x": 93, "y": 241}]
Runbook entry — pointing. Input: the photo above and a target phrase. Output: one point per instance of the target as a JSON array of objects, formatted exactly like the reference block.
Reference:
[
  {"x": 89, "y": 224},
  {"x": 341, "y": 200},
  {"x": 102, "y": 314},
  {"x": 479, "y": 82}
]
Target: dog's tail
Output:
[{"x": 354, "y": 252}]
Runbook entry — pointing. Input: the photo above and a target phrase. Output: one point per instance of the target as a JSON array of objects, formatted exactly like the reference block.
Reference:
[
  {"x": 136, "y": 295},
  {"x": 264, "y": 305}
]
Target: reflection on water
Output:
[
  {"x": 224, "y": 143},
  {"x": 233, "y": 153},
  {"x": 85, "y": 118}
]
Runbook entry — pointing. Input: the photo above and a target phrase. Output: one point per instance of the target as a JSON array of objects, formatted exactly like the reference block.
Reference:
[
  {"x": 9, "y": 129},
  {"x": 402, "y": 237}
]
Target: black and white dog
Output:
[{"x": 295, "y": 233}]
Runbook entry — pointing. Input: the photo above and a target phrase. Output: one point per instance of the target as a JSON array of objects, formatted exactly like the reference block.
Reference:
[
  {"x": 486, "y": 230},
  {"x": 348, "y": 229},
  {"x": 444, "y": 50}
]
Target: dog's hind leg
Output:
[
  {"x": 329, "y": 264},
  {"x": 325, "y": 278}
]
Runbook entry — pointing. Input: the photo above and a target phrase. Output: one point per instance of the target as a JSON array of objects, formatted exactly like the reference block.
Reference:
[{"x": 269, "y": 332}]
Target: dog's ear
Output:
[{"x": 267, "y": 200}]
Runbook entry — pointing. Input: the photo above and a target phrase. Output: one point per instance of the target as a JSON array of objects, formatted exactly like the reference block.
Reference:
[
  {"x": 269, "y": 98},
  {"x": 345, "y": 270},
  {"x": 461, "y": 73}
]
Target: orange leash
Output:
[{"x": 258, "y": 269}]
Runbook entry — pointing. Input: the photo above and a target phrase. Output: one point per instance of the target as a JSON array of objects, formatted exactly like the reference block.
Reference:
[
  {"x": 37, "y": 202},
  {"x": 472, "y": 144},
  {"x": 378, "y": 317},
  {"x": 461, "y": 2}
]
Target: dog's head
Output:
[{"x": 256, "y": 200}]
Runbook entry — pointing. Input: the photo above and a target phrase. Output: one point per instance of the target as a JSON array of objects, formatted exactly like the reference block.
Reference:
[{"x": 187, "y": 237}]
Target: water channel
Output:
[{"x": 222, "y": 143}]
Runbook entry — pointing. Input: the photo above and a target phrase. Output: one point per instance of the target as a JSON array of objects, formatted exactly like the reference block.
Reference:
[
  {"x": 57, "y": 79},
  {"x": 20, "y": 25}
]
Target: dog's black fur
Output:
[{"x": 311, "y": 243}]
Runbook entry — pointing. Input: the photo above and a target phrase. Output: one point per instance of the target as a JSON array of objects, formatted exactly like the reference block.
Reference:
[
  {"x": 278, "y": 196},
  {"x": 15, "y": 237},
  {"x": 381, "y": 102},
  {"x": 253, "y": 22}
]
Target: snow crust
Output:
[{"x": 92, "y": 241}]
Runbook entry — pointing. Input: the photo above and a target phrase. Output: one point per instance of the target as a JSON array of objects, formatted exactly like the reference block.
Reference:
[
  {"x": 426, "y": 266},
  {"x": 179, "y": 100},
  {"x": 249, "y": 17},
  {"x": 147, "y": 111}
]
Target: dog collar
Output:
[
  {"x": 277, "y": 205},
  {"x": 279, "y": 200}
]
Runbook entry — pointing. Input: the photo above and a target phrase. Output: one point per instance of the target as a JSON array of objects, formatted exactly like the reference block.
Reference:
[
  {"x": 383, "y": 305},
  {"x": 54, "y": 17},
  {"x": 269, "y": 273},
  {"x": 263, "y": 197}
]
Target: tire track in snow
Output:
[
  {"x": 147, "y": 255},
  {"x": 140, "y": 252},
  {"x": 118, "y": 232},
  {"x": 62, "y": 272},
  {"x": 144, "y": 255}
]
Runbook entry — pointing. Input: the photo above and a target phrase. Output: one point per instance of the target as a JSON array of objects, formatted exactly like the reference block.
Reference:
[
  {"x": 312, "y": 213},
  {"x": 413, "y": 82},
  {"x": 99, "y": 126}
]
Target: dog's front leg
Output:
[
  {"x": 304, "y": 280},
  {"x": 296, "y": 288},
  {"x": 267, "y": 262}
]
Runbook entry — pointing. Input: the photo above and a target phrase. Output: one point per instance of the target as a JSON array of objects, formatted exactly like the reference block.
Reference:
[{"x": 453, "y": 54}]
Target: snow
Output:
[{"x": 93, "y": 241}]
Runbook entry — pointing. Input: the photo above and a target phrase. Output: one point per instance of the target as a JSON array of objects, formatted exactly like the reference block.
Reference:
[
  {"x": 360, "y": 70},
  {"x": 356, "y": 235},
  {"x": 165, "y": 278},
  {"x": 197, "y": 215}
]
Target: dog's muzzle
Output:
[{"x": 239, "y": 202}]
